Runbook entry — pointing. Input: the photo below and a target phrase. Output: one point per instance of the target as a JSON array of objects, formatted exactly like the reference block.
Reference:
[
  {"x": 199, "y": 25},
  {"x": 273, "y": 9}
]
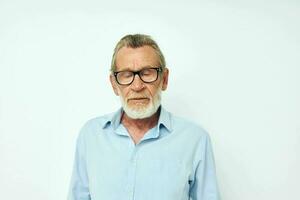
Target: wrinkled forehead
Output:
[{"x": 136, "y": 58}]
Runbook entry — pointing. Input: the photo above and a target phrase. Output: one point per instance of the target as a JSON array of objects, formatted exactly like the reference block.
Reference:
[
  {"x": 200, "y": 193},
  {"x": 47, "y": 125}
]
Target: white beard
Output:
[{"x": 144, "y": 111}]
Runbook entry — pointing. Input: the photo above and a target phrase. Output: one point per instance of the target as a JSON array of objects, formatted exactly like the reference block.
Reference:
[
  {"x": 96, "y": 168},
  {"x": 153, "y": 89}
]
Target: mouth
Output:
[{"x": 138, "y": 100}]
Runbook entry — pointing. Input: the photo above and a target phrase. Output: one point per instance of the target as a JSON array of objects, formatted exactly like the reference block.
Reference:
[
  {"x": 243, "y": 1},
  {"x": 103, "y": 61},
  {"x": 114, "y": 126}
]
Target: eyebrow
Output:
[{"x": 144, "y": 67}]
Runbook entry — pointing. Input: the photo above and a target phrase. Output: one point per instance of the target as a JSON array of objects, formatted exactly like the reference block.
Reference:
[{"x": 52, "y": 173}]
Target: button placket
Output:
[{"x": 132, "y": 172}]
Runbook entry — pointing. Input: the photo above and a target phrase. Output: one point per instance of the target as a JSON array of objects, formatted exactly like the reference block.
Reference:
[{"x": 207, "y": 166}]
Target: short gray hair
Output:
[{"x": 136, "y": 41}]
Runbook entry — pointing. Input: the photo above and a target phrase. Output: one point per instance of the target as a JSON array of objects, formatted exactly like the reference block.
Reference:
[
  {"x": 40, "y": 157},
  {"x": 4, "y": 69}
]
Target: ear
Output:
[
  {"x": 165, "y": 79},
  {"x": 113, "y": 84}
]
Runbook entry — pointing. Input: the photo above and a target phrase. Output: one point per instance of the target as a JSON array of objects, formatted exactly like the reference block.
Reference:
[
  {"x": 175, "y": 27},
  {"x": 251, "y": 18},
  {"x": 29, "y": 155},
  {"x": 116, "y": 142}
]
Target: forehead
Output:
[{"x": 136, "y": 58}]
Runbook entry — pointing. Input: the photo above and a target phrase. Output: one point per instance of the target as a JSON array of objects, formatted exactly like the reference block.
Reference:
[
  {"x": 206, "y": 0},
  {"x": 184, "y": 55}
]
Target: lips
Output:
[
  {"x": 138, "y": 99},
  {"x": 141, "y": 98}
]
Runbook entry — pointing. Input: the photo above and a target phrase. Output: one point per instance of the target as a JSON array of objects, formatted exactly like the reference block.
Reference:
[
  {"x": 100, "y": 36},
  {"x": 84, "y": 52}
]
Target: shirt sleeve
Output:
[
  {"x": 79, "y": 186},
  {"x": 204, "y": 186}
]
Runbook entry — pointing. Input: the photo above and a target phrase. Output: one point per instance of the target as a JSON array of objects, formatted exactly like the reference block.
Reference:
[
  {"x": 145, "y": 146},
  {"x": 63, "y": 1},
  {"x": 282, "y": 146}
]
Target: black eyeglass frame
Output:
[{"x": 158, "y": 69}]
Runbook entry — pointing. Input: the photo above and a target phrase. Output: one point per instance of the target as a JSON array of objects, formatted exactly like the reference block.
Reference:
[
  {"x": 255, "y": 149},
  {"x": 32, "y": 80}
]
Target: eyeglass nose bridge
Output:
[{"x": 139, "y": 75}]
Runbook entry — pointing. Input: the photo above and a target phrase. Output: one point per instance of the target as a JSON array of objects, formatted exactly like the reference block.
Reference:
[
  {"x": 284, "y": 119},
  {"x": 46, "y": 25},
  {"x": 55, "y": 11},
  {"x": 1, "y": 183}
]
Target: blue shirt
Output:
[{"x": 173, "y": 161}]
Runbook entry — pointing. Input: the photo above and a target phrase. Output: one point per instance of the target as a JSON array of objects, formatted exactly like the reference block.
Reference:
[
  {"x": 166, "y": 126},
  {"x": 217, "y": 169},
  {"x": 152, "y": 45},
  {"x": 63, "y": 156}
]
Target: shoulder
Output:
[
  {"x": 188, "y": 127},
  {"x": 95, "y": 124},
  {"x": 98, "y": 120},
  {"x": 192, "y": 133}
]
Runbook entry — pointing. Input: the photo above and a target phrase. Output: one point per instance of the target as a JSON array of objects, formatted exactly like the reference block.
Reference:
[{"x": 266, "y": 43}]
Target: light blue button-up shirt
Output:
[{"x": 173, "y": 161}]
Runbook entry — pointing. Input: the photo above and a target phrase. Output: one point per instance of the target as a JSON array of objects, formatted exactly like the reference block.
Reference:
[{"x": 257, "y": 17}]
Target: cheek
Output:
[
  {"x": 153, "y": 90},
  {"x": 123, "y": 92},
  {"x": 157, "y": 87}
]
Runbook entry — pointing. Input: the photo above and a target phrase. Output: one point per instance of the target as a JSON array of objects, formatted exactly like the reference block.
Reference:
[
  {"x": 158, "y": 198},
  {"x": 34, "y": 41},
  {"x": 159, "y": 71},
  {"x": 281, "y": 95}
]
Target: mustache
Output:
[{"x": 139, "y": 96}]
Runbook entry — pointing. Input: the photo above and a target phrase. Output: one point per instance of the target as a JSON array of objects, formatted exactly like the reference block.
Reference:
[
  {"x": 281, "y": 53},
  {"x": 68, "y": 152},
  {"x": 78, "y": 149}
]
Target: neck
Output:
[{"x": 141, "y": 124}]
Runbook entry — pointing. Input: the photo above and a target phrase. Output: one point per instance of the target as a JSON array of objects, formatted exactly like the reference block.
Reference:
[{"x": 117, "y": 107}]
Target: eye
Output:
[
  {"x": 147, "y": 72},
  {"x": 125, "y": 74}
]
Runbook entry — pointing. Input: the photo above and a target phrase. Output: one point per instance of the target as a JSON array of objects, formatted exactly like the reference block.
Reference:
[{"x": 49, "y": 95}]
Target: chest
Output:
[{"x": 150, "y": 170}]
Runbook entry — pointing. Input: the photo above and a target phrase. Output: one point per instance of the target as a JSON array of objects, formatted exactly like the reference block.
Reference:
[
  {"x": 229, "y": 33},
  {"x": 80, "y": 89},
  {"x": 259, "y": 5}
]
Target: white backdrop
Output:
[{"x": 234, "y": 69}]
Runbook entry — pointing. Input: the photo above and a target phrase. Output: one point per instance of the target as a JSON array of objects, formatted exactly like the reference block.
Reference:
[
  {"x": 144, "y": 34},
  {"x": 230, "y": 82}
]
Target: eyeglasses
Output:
[{"x": 147, "y": 75}]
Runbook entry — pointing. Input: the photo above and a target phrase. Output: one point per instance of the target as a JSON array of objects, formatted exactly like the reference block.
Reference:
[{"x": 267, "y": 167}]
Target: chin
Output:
[
  {"x": 142, "y": 111},
  {"x": 139, "y": 112}
]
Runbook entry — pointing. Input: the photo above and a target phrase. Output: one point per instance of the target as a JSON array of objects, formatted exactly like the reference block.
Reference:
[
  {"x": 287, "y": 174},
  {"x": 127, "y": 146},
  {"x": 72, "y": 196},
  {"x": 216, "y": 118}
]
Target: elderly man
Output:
[{"x": 142, "y": 152}]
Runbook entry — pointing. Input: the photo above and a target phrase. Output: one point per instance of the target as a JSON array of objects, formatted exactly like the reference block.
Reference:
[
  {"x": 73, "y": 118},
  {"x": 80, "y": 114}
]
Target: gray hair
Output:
[{"x": 136, "y": 41}]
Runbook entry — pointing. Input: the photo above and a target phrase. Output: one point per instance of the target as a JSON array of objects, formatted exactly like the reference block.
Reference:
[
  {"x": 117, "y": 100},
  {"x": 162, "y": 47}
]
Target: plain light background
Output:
[{"x": 234, "y": 69}]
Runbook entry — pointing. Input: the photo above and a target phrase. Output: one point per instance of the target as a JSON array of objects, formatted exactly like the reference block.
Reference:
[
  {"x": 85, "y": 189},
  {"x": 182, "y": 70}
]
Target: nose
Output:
[{"x": 137, "y": 83}]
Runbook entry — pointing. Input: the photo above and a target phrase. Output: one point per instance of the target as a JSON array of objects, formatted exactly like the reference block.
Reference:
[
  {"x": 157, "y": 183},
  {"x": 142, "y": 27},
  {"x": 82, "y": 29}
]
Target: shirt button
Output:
[{"x": 131, "y": 193}]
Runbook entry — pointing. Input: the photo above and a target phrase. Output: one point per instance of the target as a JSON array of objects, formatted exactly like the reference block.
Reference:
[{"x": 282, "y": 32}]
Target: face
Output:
[{"x": 139, "y": 100}]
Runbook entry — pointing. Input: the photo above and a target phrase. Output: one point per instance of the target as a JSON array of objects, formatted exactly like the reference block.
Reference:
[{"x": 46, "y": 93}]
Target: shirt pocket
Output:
[{"x": 165, "y": 179}]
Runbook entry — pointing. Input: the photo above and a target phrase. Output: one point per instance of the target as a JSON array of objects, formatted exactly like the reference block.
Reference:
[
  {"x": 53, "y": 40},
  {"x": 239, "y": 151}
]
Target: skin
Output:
[{"x": 138, "y": 93}]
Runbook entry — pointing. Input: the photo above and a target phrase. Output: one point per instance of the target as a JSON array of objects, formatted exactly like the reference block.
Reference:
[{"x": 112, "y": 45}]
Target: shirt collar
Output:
[
  {"x": 165, "y": 119},
  {"x": 114, "y": 119}
]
